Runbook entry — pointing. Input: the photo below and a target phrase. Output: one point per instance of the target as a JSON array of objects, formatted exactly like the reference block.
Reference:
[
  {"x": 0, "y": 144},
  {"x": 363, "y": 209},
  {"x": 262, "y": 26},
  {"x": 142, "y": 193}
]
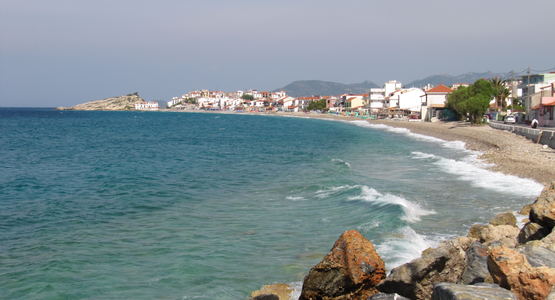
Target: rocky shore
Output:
[
  {"x": 126, "y": 102},
  {"x": 494, "y": 261}
]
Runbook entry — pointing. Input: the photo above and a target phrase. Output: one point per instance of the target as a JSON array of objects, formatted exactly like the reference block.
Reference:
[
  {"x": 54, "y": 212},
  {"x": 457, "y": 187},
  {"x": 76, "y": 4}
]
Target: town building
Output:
[{"x": 433, "y": 103}]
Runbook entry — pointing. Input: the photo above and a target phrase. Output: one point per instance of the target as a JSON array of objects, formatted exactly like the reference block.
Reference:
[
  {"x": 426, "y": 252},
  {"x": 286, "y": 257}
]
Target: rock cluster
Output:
[{"x": 495, "y": 261}]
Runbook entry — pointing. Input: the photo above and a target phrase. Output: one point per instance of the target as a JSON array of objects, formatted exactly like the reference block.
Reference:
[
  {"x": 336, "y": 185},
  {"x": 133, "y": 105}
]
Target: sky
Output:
[{"x": 65, "y": 52}]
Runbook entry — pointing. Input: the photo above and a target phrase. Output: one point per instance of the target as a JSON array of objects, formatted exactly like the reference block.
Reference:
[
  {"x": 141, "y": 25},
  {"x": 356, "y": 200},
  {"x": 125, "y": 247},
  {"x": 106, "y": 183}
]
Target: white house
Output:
[
  {"x": 150, "y": 105},
  {"x": 378, "y": 96},
  {"x": 433, "y": 103},
  {"x": 407, "y": 99}
]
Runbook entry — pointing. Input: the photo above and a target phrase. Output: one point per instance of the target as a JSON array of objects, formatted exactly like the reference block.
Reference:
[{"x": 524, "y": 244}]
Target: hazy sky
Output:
[{"x": 62, "y": 53}]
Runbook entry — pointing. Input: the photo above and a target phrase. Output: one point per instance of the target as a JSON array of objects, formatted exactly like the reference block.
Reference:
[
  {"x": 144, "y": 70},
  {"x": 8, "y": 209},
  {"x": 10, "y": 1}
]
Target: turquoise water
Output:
[{"x": 152, "y": 205}]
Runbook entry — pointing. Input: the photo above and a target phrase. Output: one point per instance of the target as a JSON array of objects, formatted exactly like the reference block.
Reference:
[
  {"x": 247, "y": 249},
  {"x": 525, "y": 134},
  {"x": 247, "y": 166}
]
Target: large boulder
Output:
[
  {"x": 531, "y": 232},
  {"x": 506, "y": 234},
  {"x": 351, "y": 270},
  {"x": 416, "y": 279},
  {"x": 543, "y": 209},
  {"x": 547, "y": 242},
  {"x": 452, "y": 291},
  {"x": 476, "y": 269},
  {"x": 511, "y": 270},
  {"x": 507, "y": 218},
  {"x": 538, "y": 256},
  {"x": 267, "y": 292}
]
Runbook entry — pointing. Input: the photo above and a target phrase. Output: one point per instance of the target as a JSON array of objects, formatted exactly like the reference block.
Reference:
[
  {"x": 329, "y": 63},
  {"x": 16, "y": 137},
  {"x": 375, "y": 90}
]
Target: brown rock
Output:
[
  {"x": 511, "y": 270},
  {"x": 416, "y": 279},
  {"x": 525, "y": 211},
  {"x": 543, "y": 209},
  {"x": 504, "y": 219},
  {"x": 280, "y": 290},
  {"x": 351, "y": 270},
  {"x": 506, "y": 234},
  {"x": 476, "y": 231},
  {"x": 532, "y": 231}
]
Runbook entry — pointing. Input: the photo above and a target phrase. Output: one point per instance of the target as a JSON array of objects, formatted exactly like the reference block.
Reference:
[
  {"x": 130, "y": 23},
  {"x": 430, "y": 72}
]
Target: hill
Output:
[
  {"x": 449, "y": 80},
  {"x": 304, "y": 88},
  {"x": 113, "y": 103}
]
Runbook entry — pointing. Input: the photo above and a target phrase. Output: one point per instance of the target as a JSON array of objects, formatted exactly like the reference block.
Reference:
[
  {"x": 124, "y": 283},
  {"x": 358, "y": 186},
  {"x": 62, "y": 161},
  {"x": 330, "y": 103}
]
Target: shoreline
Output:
[{"x": 506, "y": 152}]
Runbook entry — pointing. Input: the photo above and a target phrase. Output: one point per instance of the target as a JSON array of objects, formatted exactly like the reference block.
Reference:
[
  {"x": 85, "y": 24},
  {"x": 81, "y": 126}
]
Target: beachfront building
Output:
[
  {"x": 433, "y": 103},
  {"x": 353, "y": 102},
  {"x": 378, "y": 96},
  {"x": 544, "y": 105},
  {"x": 531, "y": 90},
  {"x": 406, "y": 100},
  {"x": 150, "y": 105}
]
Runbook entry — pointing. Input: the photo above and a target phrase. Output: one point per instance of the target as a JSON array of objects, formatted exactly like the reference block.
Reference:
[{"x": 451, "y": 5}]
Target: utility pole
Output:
[
  {"x": 514, "y": 91},
  {"x": 528, "y": 98}
]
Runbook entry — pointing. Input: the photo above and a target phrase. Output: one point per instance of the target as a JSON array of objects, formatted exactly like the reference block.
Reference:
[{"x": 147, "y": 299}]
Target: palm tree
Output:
[
  {"x": 499, "y": 86},
  {"x": 503, "y": 95}
]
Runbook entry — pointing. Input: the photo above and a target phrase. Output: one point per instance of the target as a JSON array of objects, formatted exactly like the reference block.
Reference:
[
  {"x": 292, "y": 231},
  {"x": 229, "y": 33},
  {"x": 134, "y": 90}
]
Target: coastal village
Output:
[{"x": 534, "y": 93}]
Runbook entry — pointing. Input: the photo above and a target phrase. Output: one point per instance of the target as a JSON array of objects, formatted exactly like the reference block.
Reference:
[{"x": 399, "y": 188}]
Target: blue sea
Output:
[{"x": 170, "y": 205}]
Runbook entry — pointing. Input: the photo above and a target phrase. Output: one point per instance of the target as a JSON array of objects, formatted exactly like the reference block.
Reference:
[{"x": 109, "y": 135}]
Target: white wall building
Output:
[{"x": 150, "y": 105}]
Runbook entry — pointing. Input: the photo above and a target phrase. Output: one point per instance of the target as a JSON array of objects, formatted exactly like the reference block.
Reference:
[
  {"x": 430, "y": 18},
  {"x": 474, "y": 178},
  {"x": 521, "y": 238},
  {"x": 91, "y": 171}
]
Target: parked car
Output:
[{"x": 510, "y": 119}]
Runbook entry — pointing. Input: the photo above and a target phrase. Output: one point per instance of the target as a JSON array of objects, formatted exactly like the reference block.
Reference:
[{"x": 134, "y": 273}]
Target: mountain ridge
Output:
[{"x": 304, "y": 88}]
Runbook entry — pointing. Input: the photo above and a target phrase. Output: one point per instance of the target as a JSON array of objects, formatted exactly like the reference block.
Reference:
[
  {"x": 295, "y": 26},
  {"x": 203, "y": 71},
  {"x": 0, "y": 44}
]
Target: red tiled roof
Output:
[{"x": 440, "y": 89}]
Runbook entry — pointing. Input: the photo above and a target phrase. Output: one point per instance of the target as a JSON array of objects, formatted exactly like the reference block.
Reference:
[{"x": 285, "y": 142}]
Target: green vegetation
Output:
[
  {"x": 247, "y": 97},
  {"x": 501, "y": 92},
  {"x": 317, "y": 105},
  {"x": 471, "y": 102}
]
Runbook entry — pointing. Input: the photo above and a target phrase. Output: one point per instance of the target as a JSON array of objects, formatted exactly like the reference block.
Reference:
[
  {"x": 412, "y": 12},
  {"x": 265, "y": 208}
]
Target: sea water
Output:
[{"x": 154, "y": 205}]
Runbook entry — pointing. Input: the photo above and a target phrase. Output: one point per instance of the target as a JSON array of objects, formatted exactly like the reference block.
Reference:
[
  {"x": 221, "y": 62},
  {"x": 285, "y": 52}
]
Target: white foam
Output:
[
  {"x": 412, "y": 211},
  {"x": 297, "y": 289},
  {"x": 333, "y": 190},
  {"x": 472, "y": 170},
  {"x": 457, "y": 145},
  {"x": 367, "y": 227},
  {"x": 292, "y": 198},
  {"x": 341, "y": 161},
  {"x": 404, "y": 246}
]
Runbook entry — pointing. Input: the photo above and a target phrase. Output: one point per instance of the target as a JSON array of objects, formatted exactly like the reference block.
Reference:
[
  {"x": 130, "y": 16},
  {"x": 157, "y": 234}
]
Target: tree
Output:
[
  {"x": 247, "y": 97},
  {"x": 315, "y": 105},
  {"x": 501, "y": 92},
  {"x": 471, "y": 102}
]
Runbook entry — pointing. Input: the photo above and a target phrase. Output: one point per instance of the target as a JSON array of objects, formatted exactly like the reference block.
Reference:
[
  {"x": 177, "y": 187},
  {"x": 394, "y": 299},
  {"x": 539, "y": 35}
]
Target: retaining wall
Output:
[{"x": 547, "y": 137}]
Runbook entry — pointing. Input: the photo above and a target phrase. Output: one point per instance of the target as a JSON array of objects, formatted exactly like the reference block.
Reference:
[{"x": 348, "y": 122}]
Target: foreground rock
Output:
[
  {"x": 507, "y": 218},
  {"x": 416, "y": 279},
  {"x": 506, "y": 234},
  {"x": 476, "y": 269},
  {"x": 351, "y": 270},
  {"x": 511, "y": 270},
  {"x": 543, "y": 209},
  {"x": 114, "y": 103},
  {"x": 531, "y": 232},
  {"x": 277, "y": 291},
  {"x": 452, "y": 291}
]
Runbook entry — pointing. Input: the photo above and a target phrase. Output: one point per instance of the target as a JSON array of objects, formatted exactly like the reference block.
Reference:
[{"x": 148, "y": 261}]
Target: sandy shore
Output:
[{"x": 509, "y": 153}]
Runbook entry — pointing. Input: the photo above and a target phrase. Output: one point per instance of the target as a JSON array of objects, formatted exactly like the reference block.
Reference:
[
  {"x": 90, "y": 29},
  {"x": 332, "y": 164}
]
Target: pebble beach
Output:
[{"x": 507, "y": 152}]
